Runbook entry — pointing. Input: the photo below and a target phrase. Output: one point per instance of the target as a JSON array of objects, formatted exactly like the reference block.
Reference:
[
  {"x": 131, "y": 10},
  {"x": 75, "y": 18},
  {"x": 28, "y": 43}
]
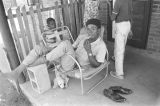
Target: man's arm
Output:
[
  {"x": 92, "y": 59},
  {"x": 115, "y": 10}
]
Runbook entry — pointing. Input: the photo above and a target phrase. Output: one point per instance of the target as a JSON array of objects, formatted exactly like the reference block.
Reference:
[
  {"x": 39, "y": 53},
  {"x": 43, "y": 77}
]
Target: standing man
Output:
[{"x": 122, "y": 15}]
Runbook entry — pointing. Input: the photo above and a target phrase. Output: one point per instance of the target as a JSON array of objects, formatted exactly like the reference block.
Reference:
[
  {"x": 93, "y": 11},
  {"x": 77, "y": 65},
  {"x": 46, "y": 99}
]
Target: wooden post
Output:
[
  {"x": 34, "y": 24},
  {"x": 66, "y": 14},
  {"x": 14, "y": 3},
  {"x": 77, "y": 18},
  {"x": 81, "y": 7},
  {"x": 57, "y": 15},
  {"x": 72, "y": 19},
  {"x": 8, "y": 40}
]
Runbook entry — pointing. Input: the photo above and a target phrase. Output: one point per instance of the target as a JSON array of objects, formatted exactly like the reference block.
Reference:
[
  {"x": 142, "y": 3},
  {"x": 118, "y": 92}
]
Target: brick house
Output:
[{"x": 153, "y": 43}]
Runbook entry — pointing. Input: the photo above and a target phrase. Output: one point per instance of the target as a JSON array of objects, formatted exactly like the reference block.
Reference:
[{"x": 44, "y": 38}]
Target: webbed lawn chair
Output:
[
  {"x": 88, "y": 76},
  {"x": 64, "y": 33}
]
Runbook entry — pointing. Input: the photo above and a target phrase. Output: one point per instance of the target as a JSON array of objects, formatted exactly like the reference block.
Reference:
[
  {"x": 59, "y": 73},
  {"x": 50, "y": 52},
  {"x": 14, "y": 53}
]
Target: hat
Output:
[{"x": 94, "y": 21}]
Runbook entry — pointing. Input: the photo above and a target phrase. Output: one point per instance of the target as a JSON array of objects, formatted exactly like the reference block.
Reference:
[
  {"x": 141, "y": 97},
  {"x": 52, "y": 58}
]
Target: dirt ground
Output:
[{"x": 9, "y": 95}]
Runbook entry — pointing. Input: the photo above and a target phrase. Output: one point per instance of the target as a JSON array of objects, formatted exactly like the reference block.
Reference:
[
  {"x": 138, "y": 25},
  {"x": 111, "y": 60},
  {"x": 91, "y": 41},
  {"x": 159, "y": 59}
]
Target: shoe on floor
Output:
[
  {"x": 121, "y": 90},
  {"x": 114, "y": 74},
  {"x": 113, "y": 96}
]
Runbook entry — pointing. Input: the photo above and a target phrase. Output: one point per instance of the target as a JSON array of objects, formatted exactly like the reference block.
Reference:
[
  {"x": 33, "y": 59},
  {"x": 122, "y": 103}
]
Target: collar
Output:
[{"x": 96, "y": 42}]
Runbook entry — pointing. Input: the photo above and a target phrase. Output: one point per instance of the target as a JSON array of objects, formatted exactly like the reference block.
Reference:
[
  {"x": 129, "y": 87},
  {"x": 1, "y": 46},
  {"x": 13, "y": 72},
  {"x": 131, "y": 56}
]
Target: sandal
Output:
[
  {"x": 121, "y": 90},
  {"x": 113, "y": 96}
]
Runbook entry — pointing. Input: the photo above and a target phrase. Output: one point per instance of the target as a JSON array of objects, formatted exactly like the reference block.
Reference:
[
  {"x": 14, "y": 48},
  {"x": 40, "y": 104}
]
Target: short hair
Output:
[
  {"x": 95, "y": 22},
  {"x": 50, "y": 19}
]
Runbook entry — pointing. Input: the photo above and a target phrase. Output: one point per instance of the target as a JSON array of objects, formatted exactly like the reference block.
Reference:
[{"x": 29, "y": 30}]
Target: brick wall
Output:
[{"x": 154, "y": 33}]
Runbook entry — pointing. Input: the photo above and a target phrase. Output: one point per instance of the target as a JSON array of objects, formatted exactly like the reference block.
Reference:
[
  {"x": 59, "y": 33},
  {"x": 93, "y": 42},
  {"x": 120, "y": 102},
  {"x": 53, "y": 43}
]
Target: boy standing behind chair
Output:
[{"x": 122, "y": 14}]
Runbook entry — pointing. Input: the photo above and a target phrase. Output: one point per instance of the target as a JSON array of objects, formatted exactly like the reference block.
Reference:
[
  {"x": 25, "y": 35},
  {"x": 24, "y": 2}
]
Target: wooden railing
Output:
[{"x": 27, "y": 26}]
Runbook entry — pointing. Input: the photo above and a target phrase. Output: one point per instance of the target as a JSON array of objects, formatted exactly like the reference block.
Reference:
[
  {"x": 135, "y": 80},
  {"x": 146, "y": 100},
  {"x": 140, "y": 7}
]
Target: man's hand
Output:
[
  {"x": 87, "y": 46},
  {"x": 92, "y": 59}
]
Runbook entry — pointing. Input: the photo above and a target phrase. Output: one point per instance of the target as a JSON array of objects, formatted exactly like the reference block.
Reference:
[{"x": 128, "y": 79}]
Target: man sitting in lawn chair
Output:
[
  {"x": 90, "y": 47},
  {"x": 91, "y": 51}
]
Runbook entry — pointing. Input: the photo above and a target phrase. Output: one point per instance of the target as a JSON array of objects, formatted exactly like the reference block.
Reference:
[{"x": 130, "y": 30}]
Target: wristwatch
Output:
[{"x": 90, "y": 54}]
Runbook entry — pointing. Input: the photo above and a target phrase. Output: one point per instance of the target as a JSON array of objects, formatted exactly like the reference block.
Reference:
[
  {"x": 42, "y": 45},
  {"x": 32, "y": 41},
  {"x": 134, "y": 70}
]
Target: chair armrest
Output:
[
  {"x": 80, "y": 69},
  {"x": 93, "y": 71}
]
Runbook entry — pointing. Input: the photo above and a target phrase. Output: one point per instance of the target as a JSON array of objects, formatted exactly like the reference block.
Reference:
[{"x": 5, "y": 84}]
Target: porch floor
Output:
[{"x": 142, "y": 76}]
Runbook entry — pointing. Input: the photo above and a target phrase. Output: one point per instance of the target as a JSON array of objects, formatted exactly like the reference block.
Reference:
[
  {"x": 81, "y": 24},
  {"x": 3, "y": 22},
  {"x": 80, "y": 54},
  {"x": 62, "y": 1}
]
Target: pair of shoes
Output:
[
  {"x": 113, "y": 96},
  {"x": 114, "y": 74},
  {"x": 121, "y": 90}
]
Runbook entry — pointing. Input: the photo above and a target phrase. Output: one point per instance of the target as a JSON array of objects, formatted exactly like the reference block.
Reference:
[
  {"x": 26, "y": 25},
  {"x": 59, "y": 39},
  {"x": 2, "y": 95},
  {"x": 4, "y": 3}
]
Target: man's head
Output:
[
  {"x": 51, "y": 23},
  {"x": 93, "y": 28}
]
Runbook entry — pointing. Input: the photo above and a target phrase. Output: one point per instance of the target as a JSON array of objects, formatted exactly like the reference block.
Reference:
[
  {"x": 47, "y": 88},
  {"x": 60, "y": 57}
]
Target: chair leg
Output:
[
  {"x": 94, "y": 86},
  {"x": 82, "y": 87}
]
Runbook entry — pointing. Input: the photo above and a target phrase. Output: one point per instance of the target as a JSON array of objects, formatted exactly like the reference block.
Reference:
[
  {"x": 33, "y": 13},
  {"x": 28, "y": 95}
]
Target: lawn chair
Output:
[
  {"x": 64, "y": 33},
  {"x": 96, "y": 70}
]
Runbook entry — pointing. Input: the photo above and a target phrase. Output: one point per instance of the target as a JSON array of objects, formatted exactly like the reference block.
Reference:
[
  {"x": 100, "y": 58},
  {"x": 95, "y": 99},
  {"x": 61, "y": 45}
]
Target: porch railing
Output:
[{"x": 27, "y": 23}]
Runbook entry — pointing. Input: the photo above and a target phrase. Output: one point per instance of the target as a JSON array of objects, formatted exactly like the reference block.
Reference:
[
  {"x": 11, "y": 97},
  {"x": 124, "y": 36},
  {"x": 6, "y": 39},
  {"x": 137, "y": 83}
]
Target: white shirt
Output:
[{"x": 98, "y": 49}]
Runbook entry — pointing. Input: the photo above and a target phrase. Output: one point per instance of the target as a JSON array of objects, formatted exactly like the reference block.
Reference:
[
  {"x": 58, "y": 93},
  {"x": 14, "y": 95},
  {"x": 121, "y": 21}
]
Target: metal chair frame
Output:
[{"x": 99, "y": 69}]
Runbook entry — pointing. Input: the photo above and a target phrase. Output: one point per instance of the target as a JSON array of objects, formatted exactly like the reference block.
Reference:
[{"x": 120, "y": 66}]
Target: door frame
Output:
[{"x": 149, "y": 22}]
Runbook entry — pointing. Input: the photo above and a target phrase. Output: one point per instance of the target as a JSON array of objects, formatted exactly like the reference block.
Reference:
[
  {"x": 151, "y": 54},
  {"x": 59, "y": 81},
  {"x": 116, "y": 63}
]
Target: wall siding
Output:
[{"x": 154, "y": 33}]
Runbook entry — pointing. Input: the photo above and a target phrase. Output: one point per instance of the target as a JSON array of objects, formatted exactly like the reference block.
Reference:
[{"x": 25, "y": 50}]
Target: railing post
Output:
[
  {"x": 57, "y": 14},
  {"x": 8, "y": 39}
]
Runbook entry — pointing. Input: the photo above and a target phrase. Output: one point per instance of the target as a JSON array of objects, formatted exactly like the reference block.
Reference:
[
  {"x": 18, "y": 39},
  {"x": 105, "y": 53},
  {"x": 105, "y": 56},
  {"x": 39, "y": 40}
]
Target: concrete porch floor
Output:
[{"x": 142, "y": 76}]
